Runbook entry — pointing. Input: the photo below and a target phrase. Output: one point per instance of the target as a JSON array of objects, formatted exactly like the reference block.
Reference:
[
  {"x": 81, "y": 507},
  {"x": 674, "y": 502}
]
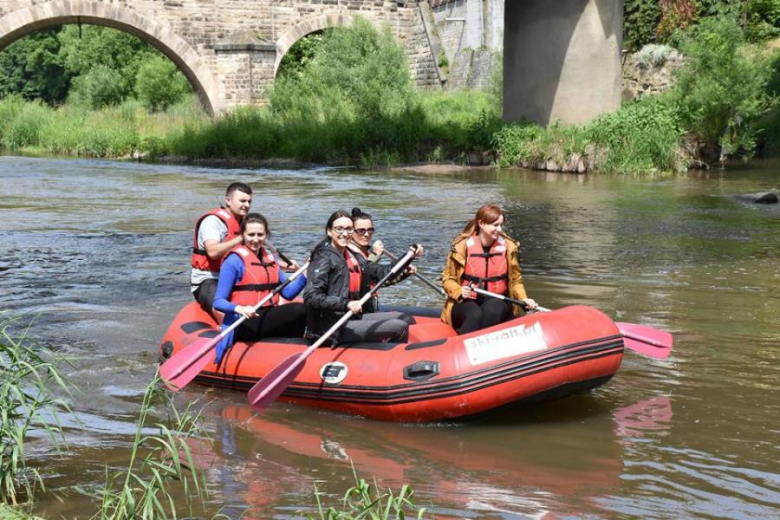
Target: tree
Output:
[
  {"x": 85, "y": 47},
  {"x": 32, "y": 67},
  {"x": 159, "y": 84},
  {"x": 101, "y": 86}
]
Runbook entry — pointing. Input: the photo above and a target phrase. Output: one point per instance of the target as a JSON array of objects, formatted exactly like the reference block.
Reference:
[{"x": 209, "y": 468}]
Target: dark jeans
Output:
[
  {"x": 471, "y": 315},
  {"x": 205, "y": 292},
  {"x": 285, "y": 321}
]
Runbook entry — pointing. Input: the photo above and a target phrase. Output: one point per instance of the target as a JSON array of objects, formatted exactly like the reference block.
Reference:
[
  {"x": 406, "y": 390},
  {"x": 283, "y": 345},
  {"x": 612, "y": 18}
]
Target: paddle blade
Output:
[
  {"x": 186, "y": 364},
  {"x": 268, "y": 389},
  {"x": 646, "y": 340}
]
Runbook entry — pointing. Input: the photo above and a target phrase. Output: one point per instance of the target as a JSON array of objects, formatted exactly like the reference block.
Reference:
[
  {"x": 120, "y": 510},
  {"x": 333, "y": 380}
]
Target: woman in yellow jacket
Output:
[{"x": 482, "y": 256}]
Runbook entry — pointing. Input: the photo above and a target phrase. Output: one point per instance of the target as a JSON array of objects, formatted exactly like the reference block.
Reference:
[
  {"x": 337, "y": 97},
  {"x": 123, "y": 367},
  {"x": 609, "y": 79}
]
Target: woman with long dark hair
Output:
[
  {"x": 335, "y": 281},
  {"x": 484, "y": 257}
]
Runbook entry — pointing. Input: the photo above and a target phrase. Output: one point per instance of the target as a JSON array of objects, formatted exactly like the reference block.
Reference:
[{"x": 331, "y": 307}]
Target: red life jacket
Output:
[
  {"x": 488, "y": 271},
  {"x": 355, "y": 274},
  {"x": 200, "y": 259},
  {"x": 261, "y": 276}
]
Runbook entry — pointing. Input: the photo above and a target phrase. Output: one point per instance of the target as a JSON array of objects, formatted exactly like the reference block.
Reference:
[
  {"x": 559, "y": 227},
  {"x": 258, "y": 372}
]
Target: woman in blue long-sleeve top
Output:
[{"x": 248, "y": 274}]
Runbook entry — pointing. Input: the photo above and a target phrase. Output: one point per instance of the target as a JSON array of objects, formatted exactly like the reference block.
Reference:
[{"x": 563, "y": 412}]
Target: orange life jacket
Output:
[
  {"x": 355, "y": 274},
  {"x": 261, "y": 276},
  {"x": 200, "y": 259},
  {"x": 488, "y": 271}
]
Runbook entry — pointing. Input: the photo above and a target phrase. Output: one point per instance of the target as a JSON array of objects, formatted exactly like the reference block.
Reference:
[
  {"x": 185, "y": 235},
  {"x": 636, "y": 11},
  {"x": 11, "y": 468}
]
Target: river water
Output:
[{"x": 97, "y": 254}]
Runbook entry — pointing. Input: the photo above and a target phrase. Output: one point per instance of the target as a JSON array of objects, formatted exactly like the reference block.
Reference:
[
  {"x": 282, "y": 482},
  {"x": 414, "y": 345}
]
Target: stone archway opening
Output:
[
  {"x": 312, "y": 26},
  {"x": 302, "y": 52},
  {"x": 91, "y": 66},
  {"x": 18, "y": 24}
]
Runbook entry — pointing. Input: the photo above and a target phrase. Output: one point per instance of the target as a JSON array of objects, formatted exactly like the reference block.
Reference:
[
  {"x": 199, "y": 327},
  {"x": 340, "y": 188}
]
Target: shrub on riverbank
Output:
[
  {"x": 721, "y": 92},
  {"x": 352, "y": 102},
  {"x": 722, "y": 102}
]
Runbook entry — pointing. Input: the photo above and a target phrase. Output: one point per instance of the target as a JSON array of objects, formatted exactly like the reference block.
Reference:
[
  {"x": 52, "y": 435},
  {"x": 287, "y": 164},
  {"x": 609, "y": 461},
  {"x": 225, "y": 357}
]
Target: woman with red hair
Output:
[{"x": 482, "y": 256}]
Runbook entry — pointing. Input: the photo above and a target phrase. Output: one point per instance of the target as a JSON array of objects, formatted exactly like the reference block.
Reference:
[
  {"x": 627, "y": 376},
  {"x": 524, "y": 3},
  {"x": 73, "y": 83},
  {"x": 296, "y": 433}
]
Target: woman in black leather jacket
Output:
[{"x": 335, "y": 277}]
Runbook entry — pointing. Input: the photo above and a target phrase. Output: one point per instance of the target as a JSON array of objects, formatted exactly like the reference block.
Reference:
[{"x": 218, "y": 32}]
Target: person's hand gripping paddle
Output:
[
  {"x": 279, "y": 378},
  {"x": 186, "y": 364}
]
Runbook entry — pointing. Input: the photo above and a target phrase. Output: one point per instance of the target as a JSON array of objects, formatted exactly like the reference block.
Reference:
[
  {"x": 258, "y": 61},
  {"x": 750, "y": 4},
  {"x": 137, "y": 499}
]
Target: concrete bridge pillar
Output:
[{"x": 562, "y": 59}]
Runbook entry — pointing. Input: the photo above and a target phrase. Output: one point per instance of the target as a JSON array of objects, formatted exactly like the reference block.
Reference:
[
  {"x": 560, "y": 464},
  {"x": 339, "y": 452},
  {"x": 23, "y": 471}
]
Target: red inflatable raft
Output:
[{"x": 437, "y": 375}]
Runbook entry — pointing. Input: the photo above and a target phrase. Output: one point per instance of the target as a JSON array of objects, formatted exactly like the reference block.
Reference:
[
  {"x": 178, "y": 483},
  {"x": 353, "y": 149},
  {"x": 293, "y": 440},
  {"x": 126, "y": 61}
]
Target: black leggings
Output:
[
  {"x": 285, "y": 321},
  {"x": 205, "y": 292},
  {"x": 471, "y": 315}
]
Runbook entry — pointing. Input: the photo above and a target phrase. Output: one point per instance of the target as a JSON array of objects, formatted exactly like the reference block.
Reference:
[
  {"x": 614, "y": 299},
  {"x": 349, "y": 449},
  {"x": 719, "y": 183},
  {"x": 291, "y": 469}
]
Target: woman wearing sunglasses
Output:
[
  {"x": 482, "y": 256},
  {"x": 367, "y": 253},
  {"x": 335, "y": 281}
]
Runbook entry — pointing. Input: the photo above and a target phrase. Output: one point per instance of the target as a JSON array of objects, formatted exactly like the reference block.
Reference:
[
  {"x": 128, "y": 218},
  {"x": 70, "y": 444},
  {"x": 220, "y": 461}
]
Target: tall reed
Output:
[
  {"x": 362, "y": 501},
  {"x": 29, "y": 384},
  {"x": 160, "y": 462}
]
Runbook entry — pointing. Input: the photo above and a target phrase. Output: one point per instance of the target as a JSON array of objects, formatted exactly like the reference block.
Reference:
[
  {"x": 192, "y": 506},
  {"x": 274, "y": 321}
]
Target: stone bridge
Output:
[{"x": 561, "y": 57}]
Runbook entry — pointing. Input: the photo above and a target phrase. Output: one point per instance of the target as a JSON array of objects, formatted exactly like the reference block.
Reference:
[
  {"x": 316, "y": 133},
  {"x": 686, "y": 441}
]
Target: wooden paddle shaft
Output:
[
  {"x": 418, "y": 275},
  {"x": 508, "y": 299}
]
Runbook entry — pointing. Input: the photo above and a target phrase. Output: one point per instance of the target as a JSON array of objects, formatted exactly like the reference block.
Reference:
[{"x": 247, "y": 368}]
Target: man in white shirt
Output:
[{"x": 216, "y": 233}]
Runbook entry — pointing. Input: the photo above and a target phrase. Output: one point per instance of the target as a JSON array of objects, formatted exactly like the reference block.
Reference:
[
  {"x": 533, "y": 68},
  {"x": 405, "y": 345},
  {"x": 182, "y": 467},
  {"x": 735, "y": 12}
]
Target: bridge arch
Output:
[
  {"x": 304, "y": 28},
  {"x": 19, "y": 23}
]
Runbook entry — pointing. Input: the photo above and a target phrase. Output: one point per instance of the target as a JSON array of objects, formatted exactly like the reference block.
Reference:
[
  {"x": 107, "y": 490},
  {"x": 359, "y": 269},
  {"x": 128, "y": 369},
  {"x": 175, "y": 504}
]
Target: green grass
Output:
[{"x": 366, "y": 502}]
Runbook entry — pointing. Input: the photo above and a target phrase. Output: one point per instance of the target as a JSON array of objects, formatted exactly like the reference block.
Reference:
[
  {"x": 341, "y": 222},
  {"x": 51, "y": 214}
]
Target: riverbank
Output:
[{"x": 723, "y": 105}]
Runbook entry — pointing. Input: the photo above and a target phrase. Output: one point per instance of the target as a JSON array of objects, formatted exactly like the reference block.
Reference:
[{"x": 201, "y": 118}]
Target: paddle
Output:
[
  {"x": 280, "y": 255},
  {"x": 639, "y": 338},
  {"x": 418, "y": 275},
  {"x": 182, "y": 367},
  {"x": 277, "y": 380}
]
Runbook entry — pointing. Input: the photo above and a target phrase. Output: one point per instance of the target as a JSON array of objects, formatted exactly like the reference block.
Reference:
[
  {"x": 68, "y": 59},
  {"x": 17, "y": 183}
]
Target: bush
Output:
[
  {"x": 159, "y": 84},
  {"x": 643, "y": 136},
  {"x": 27, "y": 128},
  {"x": 101, "y": 86},
  {"x": 354, "y": 95},
  {"x": 10, "y": 108},
  {"x": 721, "y": 92}
]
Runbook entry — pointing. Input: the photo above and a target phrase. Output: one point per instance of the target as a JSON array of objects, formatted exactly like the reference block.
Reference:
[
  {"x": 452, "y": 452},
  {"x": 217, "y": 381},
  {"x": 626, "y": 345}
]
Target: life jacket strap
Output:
[
  {"x": 479, "y": 279},
  {"x": 256, "y": 287}
]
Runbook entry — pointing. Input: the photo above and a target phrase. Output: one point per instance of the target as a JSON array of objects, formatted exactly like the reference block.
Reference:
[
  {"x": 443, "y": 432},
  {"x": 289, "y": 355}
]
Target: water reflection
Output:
[{"x": 475, "y": 470}]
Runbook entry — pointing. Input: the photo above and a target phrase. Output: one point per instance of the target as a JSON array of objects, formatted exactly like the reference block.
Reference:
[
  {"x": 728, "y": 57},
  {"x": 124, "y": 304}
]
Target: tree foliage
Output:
[
  {"x": 640, "y": 20},
  {"x": 100, "y": 86},
  {"x": 91, "y": 64},
  {"x": 89, "y": 46},
  {"x": 722, "y": 90},
  {"x": 298, "y": 57},
  {"x": 357, "y": 79},
  {"x": 159, "y": 84},
  {"x": 657, "y": 21},
  {"x": 32, "y": 67}
]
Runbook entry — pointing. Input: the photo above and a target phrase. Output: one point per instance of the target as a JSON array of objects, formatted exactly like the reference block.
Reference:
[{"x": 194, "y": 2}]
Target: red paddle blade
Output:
[
  {"x": 646, "y": 340},
  {"x": 275, "y": 382},
  {"x": 186, "y": 364}
]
